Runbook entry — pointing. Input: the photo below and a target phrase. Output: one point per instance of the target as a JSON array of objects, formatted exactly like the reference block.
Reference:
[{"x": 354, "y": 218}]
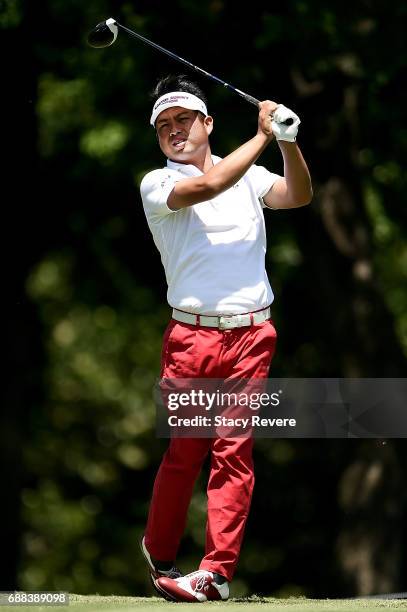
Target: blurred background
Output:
[{"x": 85, "y": 292}]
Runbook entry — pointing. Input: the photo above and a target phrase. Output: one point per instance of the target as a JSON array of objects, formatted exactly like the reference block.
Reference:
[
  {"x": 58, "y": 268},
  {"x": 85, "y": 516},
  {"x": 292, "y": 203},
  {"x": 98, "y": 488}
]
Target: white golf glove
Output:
[{"x": 282, "y": 131}]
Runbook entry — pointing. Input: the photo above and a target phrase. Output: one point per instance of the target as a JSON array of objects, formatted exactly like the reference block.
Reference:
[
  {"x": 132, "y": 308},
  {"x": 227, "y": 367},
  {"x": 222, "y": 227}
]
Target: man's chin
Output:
[{"x": 180, "y": 156}]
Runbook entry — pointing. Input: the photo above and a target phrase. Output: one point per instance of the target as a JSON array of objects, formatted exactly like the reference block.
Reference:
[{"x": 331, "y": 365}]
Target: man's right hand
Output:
[{"x": 266, "y": 110}]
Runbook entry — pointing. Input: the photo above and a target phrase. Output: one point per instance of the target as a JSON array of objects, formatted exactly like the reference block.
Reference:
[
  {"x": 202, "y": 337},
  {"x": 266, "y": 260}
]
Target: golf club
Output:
[{"x": 105, "y": 34}]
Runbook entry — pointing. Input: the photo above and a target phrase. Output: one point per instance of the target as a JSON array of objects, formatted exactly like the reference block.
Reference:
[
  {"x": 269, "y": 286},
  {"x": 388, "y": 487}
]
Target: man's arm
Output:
[
  {"x": 295, "y": 189},
  {"x": 228, "y": 171}
]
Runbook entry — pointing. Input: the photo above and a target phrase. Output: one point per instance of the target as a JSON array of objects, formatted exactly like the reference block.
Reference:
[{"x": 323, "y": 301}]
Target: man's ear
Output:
[{"x": 208, "y": 123}]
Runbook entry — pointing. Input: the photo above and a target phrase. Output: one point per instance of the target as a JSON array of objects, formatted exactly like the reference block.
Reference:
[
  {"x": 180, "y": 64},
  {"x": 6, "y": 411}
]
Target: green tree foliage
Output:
[{"x": 93, "y": 291}]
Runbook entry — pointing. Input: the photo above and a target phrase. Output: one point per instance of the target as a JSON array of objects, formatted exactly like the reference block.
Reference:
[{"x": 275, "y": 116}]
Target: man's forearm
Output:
[
  {"x": 231, "y": 169},
  {"x": 296, "y": 173},
  {"x": 220, "y": 177}
]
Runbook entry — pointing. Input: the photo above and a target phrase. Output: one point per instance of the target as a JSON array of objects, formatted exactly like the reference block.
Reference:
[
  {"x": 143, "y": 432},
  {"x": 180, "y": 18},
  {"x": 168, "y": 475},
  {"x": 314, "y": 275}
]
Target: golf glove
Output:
[{"x": 282, "y": 131}]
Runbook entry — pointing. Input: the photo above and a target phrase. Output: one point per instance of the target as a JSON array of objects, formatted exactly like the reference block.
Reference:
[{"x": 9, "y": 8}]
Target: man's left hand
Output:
[{"x": 282, "y": 131}]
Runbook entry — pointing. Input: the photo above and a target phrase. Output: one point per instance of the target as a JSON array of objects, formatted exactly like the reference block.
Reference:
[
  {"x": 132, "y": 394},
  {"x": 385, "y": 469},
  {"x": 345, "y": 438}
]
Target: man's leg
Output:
[
  {"x": 183, "y": 356},
  {"x": 230, "y": 489},
  {"x": 231, "y": 479},
  {"x": 172, "y": 493}
]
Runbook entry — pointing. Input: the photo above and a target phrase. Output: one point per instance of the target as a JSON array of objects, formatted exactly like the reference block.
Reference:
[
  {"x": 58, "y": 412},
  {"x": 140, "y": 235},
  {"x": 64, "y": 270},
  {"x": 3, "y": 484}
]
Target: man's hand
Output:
[
  {"x": 271, "y": 118},
  {"x": 265, "y": 125},
  {"x": 280, "y": 129}
]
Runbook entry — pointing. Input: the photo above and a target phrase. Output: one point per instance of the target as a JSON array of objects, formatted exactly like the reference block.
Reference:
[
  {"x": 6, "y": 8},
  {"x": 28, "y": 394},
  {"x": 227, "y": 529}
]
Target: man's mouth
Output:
[{"x": 179, "y": 143}]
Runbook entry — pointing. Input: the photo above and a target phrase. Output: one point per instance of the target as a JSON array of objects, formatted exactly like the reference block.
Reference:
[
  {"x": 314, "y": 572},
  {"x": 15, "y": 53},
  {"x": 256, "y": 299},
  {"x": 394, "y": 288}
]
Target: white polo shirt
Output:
[{"x": 213, "y": 252}]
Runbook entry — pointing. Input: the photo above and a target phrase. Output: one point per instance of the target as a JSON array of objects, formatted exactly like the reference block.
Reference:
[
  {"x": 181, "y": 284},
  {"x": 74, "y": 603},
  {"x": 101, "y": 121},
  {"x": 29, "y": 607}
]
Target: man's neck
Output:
[
  {"x": 207, "y": 162},
  {"x": 203, "y": 163}
]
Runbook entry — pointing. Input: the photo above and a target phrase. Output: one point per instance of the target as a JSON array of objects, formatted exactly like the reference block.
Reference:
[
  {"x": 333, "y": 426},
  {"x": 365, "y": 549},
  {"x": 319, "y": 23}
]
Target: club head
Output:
[{"x": 104, "y": 34}]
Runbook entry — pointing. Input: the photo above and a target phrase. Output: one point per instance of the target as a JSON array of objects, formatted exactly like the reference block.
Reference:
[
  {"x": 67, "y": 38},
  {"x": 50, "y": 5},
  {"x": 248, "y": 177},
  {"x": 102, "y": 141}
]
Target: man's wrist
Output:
[
  {"x": 286, "y": 145},
  {"x": 265, "y": 139}
]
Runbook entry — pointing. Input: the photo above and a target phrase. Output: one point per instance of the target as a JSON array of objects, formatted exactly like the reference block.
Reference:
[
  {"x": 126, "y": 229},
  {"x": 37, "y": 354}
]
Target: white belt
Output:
[{"x": 223, "y": 322}]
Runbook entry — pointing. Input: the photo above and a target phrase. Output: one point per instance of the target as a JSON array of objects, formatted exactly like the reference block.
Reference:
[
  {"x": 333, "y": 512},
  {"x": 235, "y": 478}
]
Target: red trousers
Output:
[{"x": 191, "y": 351}]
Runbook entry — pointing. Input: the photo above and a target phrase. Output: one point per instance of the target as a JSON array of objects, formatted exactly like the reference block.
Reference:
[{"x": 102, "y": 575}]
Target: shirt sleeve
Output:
[
  {"x": 262, "y": 180},
  {"x": 155, "y": 188}
]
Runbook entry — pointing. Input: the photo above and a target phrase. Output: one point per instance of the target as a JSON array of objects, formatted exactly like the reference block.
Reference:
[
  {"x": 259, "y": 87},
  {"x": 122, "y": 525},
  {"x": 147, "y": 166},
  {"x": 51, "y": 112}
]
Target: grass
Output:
[{"x": 94, "y": 603}]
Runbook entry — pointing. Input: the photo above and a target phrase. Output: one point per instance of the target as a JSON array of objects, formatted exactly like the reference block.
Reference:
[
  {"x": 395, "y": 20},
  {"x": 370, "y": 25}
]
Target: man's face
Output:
[{"x": 183, "y": 133}]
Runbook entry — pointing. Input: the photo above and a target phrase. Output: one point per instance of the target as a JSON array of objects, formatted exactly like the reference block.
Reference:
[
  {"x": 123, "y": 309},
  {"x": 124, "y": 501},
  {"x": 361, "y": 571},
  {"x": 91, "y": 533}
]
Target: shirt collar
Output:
[{"x": 189, "y": 169}]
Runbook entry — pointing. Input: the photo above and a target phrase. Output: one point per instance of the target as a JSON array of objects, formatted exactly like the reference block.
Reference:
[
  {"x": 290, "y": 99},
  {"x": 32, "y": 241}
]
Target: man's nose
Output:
[{"x": 174, "y": 130}]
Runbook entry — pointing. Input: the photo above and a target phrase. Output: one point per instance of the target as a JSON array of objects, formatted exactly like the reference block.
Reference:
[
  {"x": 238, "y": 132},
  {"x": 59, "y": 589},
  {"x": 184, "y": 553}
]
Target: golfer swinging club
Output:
[{"x": 206, "y": 217}]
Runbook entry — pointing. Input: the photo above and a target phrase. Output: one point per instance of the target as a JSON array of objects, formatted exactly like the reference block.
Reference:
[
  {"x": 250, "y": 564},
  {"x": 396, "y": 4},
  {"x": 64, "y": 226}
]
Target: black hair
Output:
[{"x": 178, "y": 82}]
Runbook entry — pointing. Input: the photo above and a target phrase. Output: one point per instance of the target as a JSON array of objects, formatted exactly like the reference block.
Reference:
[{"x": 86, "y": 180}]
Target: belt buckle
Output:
[
  {"x": 226, "y": 322},
  {"x": 231, "y": 321}
]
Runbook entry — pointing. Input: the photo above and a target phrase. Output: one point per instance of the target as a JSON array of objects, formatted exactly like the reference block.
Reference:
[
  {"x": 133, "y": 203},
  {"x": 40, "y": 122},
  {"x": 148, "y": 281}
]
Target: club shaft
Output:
[{"x": 244, "y": 95}]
